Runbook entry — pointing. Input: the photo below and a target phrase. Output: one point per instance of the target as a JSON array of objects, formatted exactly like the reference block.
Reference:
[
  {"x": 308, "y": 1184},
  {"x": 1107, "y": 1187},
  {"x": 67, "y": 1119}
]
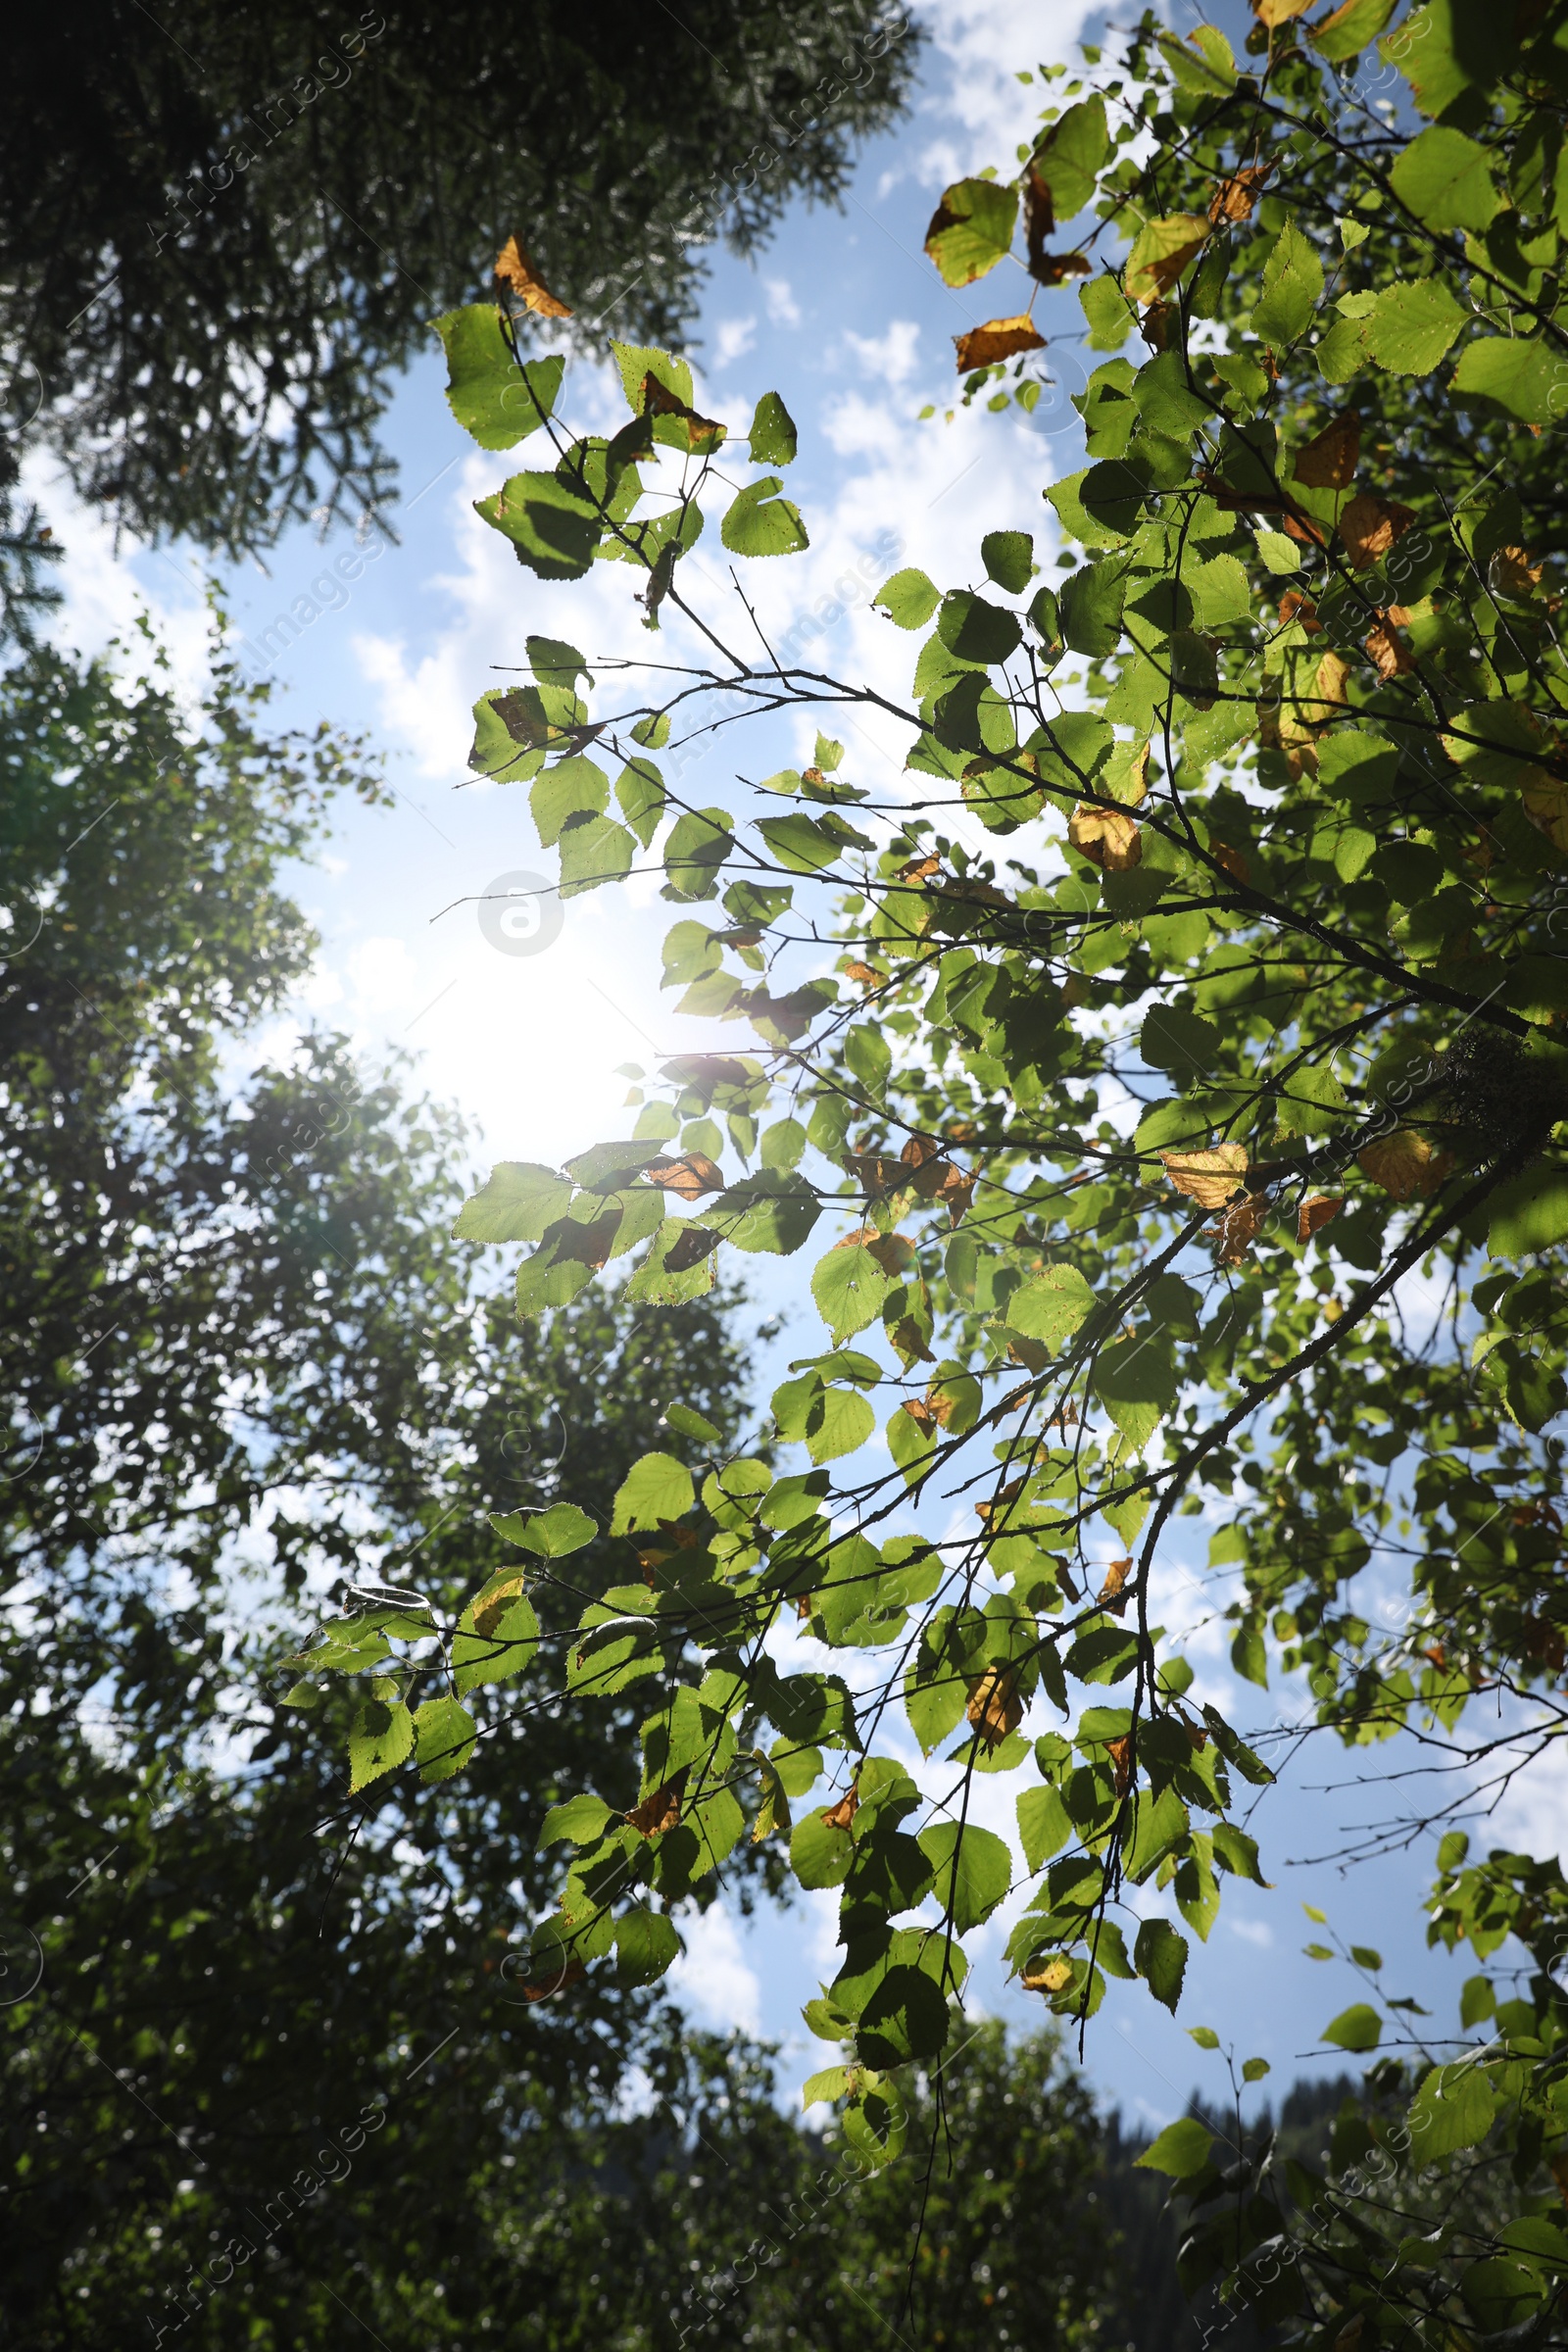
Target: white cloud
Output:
[
  {"x": 712, "y": 1975},
  {"x": 889, "y": 358},
  {"x": 1253, "y": 1930},
  {"x": 782, "y": 308},
  {"x": 733, "y": 340}
]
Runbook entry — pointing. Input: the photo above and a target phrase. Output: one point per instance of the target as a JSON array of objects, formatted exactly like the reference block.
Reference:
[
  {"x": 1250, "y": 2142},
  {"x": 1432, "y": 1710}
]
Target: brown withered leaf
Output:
[
  {"x": 907, "y": 1338},
  {"x": 1329, "y": 460},
  {"x": 1231, "y": 861},
  {"x": 1512, "y": 573},
  {"x": 514, "y": 269},
  {"x": 1158, "y": 324},
  {"x": 1120, "y": 1752},
  {"x": 1039, "y": 219},
  {"x": 841, "y": 1815},
  {"x": 1211, "y": 1178},
  {"x": 998, "y": 339},
  {"x": 1370, "y": 525},
  {"x": 1055, "y": 1976},
  {"x": 560, "y": 1976},
  {"x": 689, "y": 1176},
  {"x": 1238, "y": 1228},
  {"x": 702, "y": 432},
  {"x": 1403, "y": 1164},
  {"x": 995, "y": 1708},
  {"x": 877, "y": 1177},
  {"x": 1293, "y": 606},
  {"x": 1057, "y": 268},
  {"x": 919, "y": 1149},
  {"x": 919, "y": 869},
  {"x": 893, "y": 1253},
  {"x": 1033, "y": 1355},
  {"x": 1235, "y": 198},
  {"x": 1386, "y": 649},
  {"x": 661, "y": 1810},
  {"x": 1107, "y": 837},
  {"x": 1314, "y": 1215},
  {"x": 1110, "y": 1593},
  {"x": 488, "y": 1615},
  {"x": 866, "y": 973},
  {"x": 689, "y": 1247},
  {"x": 920, "y": 1412}
]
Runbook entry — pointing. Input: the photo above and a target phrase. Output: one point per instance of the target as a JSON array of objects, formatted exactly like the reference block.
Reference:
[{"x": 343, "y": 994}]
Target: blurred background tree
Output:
[{"x": 224, "y": 231}]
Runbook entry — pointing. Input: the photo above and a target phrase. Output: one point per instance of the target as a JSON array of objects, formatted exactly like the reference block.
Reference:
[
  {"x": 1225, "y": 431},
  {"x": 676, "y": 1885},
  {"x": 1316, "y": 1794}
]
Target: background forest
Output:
[{"x": 280, "y": 2065}]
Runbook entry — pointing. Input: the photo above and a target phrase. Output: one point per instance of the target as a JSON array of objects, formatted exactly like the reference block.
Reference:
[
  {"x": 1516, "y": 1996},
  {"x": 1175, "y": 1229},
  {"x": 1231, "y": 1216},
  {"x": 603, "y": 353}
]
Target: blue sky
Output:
[{"x": 843, "y": 316}]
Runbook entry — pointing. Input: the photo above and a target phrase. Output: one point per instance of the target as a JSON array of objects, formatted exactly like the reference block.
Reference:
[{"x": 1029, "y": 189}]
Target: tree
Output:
[
  {"x": 261, "y": 2027},
  {"x": 218, "y": 244},
  {"x": 1291, "y": 837}
]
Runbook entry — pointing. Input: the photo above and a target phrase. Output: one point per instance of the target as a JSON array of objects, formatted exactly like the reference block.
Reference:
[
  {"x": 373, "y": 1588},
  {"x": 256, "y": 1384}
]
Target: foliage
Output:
[
  {"x": 1203, "y": 1159},
  {"x": 219, "y": 240}
]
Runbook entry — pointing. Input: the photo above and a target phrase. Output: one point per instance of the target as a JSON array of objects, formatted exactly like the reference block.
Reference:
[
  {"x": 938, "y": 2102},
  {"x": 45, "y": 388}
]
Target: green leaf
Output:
[
  {"x": 1160, "y": 1827},
  {"x": 519, "y": 1202},
  {"x": 1044, "y": 1828},
  {"x": 975, "y": 631},
  {"x": 973, "y": 1870},
  {"x": 594, "y": 850},
  {"x": 1249, "y": 1654},
  {"x": 1411, "y": 325},
  {"x": 1523, "y": 375},
  {"x": 1453, "y": 2109},
  {"x": 907, "y": 597},
  {"x": 1529, "y": 1213},
  {"x": 554, "y": 530},
  {"x": 841, "y": 1424},
  {"x": 1009, "y": 559},
  {"x": 699, "y": 843},
  {"x": 655, "y": 1488},
  {"x": 1090, "y": 607},
  {"x": 1111, "y": 317},
  {"x": 645, "y": 1946},
  {"x": 553, "y": 1534},
  {"x": 636, "y": 361},
  {"x": 1346, "y": 30},
  {"x": 573, "y": 787},
  {"x": 849, "y": 1287},
  {"x": 582, "y": 1819},
  {"x": 820, "y": 1855},
  {"x": 503, "y": 1648},
  {"x": 1236, "y": 1852},
  {"x": 1071, "y": 155},
  {"x": 971, "y": 229},
  {"x": 1181, "y": 1041},
  {"x": 1136, "y": 1381},
  {"x": 493, "y": 399},
  {"x": 1181, "y": 2150},
  {"x": 640, "y": 792},
  {"x": 1051, "y": 1306},
  {"x": 1159, "y": 1955},
  {"x": 496, "y": 752},
  {"x": 1359, "y": 2027},
  {"x": 1293, "y": 288},
  {"x": 1445, "y": 181},
  {"x": 1161, "y": 251},
  {"x": 760, "y": 523},
  {"x": 443, "y": 1738},
  {"x": 381, "y": 1738},
  {"x": 691, "y": 1424},
  {"x": 1205, "y": 2035},
  {"x": 1254, "y": 2069},
  {"x": 773, "y": 440}
]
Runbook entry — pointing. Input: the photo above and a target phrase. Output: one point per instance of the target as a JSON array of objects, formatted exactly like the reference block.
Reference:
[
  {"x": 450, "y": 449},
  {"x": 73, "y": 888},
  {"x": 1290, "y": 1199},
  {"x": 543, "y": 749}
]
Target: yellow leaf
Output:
[
  {"x": 1329, "y": 460},
  {"x": 841, "y": 1815},
  {"x": 1546, "y": 800},
  {"x": 1107, "y": 837},
  {"x": 1279, "y": 12},
  {"x": 514, "y": 269},
  {"x": 1240, "y": 1228},
  {"x": 1160, "y": 253},
  {"x": 1053, "y": 1978},
  {"x": 689, "y": 1176},
  {"x": 1370, "y": 525},
  {"x": 1390, "y": 654},
  {"x": 1314, "y": 1215},
  {"x": 995, "y": 1707},
  {"x": 1117, "y": 1574},
  {"x": 998, "y": 339},
  {"x": 1211, "y": 1178},
  {"x": 775, "y": 1807},
  {"x": 1512, "y": 573},
  {"x": 661, "y": 1810},
  {"x": 1234, "y": 197},
  {"x": 1403, "y": 1164}
]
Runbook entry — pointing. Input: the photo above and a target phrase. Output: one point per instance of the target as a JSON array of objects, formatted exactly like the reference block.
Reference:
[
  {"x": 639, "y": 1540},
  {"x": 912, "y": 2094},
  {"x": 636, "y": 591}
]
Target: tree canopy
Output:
[
  {"x": 224, "y": 231},
  {"x": 1194, "y": 1157}
]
